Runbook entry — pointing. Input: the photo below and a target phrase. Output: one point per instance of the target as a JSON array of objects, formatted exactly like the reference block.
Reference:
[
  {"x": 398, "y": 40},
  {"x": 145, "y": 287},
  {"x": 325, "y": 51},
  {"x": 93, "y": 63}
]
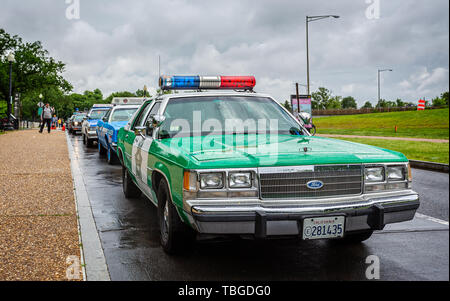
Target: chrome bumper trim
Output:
[{"x": 372, "y": 213}]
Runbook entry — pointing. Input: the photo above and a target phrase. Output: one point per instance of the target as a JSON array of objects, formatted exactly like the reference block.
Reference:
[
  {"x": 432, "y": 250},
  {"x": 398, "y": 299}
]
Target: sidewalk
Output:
[
  {"x": 38, "y": 222},
  {"x": 385, "y": 138}
]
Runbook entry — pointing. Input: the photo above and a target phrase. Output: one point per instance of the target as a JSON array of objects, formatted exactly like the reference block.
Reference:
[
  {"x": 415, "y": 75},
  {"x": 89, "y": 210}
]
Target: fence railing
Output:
[{"x": 366, "y": 110}]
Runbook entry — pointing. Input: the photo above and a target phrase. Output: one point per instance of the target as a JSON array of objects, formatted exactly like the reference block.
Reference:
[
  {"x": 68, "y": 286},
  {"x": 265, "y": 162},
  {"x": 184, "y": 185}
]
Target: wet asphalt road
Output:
[{"x": 129, "y": 233}]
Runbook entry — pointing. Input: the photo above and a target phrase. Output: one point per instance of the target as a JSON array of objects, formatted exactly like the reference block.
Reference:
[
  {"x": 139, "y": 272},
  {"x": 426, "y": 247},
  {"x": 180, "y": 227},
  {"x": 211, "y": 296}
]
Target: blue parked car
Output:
[
  {"x": 108, "y": 127},
  {"x": 89, "y": 126}
]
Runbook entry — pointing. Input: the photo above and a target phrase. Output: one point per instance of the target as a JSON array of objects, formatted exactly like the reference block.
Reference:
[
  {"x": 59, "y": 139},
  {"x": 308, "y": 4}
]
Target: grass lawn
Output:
[
  {"x": 433, "y": 124},
  {"x": 424, "y": 151}
]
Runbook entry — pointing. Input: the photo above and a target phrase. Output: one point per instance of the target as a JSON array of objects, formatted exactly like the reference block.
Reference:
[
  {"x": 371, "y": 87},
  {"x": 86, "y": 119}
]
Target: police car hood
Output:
[{"x": 268, "y": 150}]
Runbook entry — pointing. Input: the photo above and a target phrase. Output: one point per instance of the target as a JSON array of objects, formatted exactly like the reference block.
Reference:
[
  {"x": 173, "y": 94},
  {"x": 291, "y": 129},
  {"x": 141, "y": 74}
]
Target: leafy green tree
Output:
[
  {"x": 399, "y": 103},
  {"x": 334, "y": 103},
  {"x": 441, "y": 101},
  {"x": 33, "y": 72},
  {"x": 119, "y": 94},
  {"x": 320, "y": 98},
  {"x": 287, "y": 105},
  {"x": 367, "y": 105},
  {"x": 349, "y": 103}
]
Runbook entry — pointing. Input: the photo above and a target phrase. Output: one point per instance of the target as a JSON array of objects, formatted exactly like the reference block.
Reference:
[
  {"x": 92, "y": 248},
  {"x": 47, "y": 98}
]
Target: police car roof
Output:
[{"x": 212, "y": 93}]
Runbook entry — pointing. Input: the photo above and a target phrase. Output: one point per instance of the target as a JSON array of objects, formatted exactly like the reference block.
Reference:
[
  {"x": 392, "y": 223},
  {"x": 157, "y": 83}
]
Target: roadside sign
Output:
[
  {"x": 40, "y": 104},
  {"x": 302, "y": 105}
]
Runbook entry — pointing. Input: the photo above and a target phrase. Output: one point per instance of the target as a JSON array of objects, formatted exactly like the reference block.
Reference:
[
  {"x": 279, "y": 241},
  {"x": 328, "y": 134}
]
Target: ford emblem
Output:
[{"x": 314, "y": 184}]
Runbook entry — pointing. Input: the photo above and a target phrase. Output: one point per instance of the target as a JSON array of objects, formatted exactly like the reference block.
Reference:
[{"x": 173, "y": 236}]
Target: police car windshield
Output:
[
  {"x": 122, "y": 114},
  {"x": 209, "y": 115},
  {"x": 97, "y": 114}
]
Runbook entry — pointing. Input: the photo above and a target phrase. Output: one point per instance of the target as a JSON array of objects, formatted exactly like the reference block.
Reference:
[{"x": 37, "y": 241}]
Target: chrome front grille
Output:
[{"x": 337, "y": 179}]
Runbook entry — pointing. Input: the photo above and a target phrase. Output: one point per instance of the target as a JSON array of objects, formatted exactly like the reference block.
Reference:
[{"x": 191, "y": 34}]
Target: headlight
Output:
[
  {"x": 75, "y": 123},
  {"x": 374, "y": 174},
  {"x": 396, "y": 173},
  {"x": 211, "y": 180},
  {"x": 240, "y": 180}
]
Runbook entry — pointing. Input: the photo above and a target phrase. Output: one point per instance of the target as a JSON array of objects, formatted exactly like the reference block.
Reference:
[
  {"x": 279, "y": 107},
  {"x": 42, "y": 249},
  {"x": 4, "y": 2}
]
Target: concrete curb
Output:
[
  {"x": 95, "y": 267},
  {"x": 429, "y": 165}
]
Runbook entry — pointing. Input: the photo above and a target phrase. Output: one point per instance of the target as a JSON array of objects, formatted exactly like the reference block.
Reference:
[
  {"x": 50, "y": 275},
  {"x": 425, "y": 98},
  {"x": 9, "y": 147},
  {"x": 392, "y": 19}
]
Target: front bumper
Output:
[{"x": 262, "y": 219}]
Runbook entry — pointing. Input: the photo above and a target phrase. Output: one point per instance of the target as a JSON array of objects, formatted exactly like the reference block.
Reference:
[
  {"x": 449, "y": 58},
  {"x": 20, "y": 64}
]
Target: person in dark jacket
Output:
[{"x": 46, "y": 117}]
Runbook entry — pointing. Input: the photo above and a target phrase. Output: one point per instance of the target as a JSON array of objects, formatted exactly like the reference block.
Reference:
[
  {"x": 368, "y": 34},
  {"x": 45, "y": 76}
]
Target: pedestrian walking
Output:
[{"x": 46, "y": 118}]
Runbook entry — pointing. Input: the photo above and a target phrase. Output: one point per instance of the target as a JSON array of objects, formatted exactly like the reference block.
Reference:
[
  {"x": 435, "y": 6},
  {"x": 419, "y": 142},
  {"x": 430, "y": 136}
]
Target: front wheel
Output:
[{"x": 175, "y": 235}]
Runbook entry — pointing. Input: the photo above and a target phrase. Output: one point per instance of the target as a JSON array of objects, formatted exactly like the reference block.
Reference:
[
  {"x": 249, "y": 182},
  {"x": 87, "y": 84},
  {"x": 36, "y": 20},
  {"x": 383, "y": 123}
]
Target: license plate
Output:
[{"x": 323, "y": 227}]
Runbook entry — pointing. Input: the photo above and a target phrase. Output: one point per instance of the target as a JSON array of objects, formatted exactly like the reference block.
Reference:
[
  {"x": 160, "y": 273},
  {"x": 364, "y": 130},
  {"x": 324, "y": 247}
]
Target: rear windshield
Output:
[{"x": 123, "y": 114}]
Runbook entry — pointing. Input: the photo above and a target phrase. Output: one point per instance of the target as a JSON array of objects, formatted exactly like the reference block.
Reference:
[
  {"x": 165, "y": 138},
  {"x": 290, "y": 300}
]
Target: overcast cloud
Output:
[{"x": 115, "y": 44}]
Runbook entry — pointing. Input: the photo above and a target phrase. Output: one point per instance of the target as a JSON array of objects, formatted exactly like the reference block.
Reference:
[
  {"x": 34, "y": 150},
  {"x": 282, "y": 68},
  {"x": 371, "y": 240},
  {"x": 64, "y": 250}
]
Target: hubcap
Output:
[{"x": 165, "y": 223}]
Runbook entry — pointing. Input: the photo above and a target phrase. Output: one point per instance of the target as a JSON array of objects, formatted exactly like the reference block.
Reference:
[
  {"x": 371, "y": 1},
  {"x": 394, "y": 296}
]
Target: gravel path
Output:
[
  {"x": 385, "y": 138},
  {"x": 38, "y": 223}
]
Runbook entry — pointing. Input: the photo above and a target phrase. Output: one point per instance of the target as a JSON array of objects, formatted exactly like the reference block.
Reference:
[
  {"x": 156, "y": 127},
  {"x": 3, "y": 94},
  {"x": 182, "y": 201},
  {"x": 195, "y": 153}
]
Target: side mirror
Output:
[
  {"x": 157, "y": 120},
  {"x": 154, "y": 122},
  {"x": 104, "y": 119},
  {"x": 139, "y": 131}
]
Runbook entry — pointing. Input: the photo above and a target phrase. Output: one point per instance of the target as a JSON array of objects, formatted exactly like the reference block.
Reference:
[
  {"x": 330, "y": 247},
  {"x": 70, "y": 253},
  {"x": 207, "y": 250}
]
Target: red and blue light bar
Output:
[{"x": 206, "y": 82}]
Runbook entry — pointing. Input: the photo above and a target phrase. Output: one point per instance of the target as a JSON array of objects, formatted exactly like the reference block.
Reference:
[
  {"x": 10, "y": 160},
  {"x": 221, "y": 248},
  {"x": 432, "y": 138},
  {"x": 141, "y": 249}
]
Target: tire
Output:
[
  {"x": 354, "y": 238},
  {"x": 101, "y": 149},
  {"x": 111, "y": 157},
  {"x": 130, "y": 190},
  {"x": 175, "y": 236}
]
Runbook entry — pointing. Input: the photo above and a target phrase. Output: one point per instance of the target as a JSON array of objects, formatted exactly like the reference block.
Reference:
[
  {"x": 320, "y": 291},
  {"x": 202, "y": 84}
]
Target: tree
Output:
[
  {"x": 441, "y": 101},
  {"x": 287, "y": 105},
  {"x": 119, "y": 94},
  {"x": 400, "y": 103},
  {"x": 33, "y": 72},
  {"x": 382, "y": 103},
  {"x": 334, "y": 103},
  {"x": 367, "y": 105},
  {"x": 349, "y": 103},
  {"x": 321, "y": 98}
]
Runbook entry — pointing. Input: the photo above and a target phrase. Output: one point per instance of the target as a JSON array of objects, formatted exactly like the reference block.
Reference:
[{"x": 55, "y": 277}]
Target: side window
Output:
[
  {"x": 140, "y": 120},
  {"x": 153, "y": 111}
]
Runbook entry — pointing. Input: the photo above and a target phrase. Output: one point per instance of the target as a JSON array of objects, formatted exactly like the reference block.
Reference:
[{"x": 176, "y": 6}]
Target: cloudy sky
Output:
[{"x": 114, "y": 45}]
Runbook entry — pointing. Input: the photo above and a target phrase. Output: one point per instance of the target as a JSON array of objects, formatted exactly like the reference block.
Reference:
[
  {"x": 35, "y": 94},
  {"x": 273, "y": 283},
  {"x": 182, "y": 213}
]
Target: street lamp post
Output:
[
  {"x": 311, "y": 19},
  {"x": 11, "y": 60},
  {"x": 379, "y": 71}
]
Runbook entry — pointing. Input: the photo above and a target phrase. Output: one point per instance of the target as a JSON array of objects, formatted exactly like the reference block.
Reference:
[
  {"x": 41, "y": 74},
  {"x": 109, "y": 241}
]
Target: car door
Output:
[
  {"x": 139, "y": 156},
  {"x": 130, "y": 136},
  {"x": 101, "y": 128}
]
